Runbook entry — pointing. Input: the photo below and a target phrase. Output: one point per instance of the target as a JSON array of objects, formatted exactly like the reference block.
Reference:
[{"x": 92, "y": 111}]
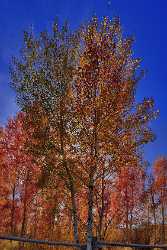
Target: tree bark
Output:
[
  {"x": 90, "y": 215},
  {"x": 163, "y": 223},
  {"x": 101, "y": 212},
  {"x": 23, "y": 225},
  {"x": 94, "y": 153},
  {"x": 70, "y": 183},
  {"x": 154, "y": 216},
  {"x": 13, "y": 210},
  {"x": 74, "y": 215}
]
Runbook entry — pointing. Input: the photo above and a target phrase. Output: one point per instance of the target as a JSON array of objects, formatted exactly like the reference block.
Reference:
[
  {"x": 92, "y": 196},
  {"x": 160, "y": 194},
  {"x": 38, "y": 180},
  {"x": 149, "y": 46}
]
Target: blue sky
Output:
[{"x": 144, "y": 19}]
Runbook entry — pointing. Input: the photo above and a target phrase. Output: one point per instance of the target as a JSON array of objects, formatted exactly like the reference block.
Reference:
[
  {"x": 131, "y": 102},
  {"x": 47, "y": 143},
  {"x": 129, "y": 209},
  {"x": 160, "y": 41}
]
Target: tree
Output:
[
  {"x": 112, "y": 127},
  {"x": 127, "y": 199},
  {"x": 20, "y": 172},
  {"x": 42, "y": 79},
  {"x": 78, "y": 92},
  {"x": 160, "y": 187}
]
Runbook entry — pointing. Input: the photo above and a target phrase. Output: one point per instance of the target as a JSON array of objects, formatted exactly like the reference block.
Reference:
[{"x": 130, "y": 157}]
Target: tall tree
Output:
[
  {"x": 127, "y": 199},
  {"x": 42, "y": 78},
  {"x": 20, "y": 171},
  {"x": 112, "y": 127},
  {"x": 160, "y": 187},
  {"x": 78, "y": 91}
]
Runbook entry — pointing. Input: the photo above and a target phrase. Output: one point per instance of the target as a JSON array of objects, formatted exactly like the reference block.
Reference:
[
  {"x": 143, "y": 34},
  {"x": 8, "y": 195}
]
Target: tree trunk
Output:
[
  {"x": 71, "y": 184},
  {"x": 154, "y": 215},
  {"x": 147, "y": 229},
  {"x": 94, "y": 153},
  {"x": 101, "y": 212},
  {"x": 23, "y": 225},
  {"x": 163, "y": 223},
  {"x": 12, "y": 223},
  {"x": 74, "y": 215},
  {"x": 90, "y": 215},
  {"x": 13, "y": 211},
  {"x": 127, "y": 216}
]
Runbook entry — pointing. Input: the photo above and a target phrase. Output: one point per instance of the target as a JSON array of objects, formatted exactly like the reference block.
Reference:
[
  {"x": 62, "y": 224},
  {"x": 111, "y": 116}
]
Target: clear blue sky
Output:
[{"x": 145, "y": 19}]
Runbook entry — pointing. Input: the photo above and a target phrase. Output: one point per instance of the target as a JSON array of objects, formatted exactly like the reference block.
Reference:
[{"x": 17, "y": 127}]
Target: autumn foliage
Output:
[{"x": 72, "y": 163}]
